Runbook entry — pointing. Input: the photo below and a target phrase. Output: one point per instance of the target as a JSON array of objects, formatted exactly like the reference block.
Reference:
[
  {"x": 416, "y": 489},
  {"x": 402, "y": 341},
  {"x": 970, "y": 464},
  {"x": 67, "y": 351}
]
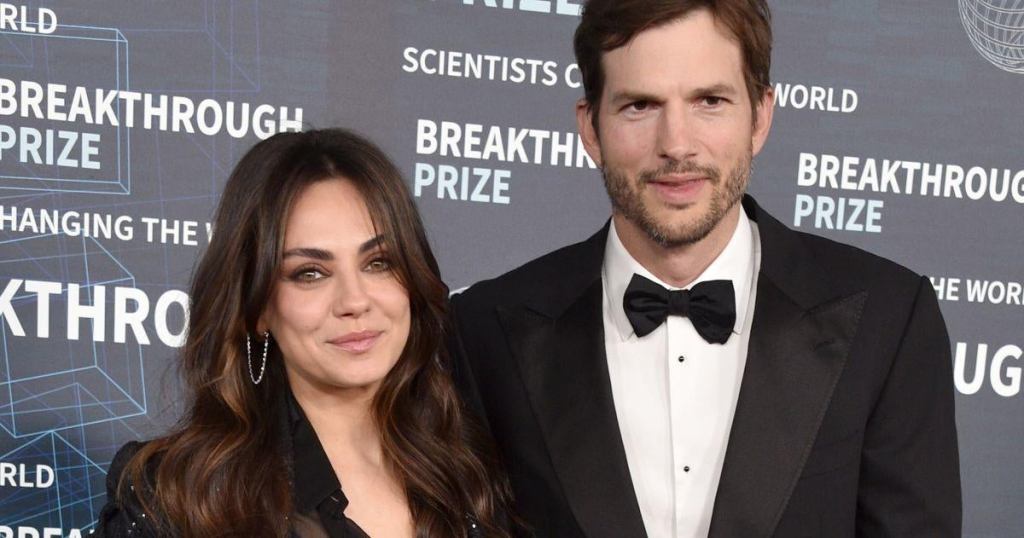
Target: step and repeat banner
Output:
[{"x": 898, "y": 129}]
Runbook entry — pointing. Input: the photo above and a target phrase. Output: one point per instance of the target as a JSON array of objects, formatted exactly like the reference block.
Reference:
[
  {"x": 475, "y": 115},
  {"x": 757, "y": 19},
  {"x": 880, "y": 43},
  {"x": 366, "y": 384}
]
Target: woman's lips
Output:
[{"x": 357, "y": 342}]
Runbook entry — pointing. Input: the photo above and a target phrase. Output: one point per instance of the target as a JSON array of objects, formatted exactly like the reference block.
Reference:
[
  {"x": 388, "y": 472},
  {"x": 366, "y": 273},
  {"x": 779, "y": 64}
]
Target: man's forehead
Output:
[
  {"x": 697, "y": 19},
  {"x": 695, "y": 43}
]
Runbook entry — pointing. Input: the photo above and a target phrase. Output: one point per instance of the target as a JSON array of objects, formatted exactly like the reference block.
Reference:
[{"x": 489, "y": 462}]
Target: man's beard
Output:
[{"x": 627, "y": 198}]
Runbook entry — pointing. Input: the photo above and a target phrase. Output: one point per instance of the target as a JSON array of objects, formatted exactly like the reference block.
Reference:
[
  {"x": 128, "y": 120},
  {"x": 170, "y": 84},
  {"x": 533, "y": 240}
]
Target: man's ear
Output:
[
  {"x": 763, "y": 120},
  {"x": 588, "y": 134}
]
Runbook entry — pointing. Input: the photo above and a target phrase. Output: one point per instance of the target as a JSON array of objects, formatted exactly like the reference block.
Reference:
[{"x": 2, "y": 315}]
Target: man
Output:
[{"x": 799, "y": 387}]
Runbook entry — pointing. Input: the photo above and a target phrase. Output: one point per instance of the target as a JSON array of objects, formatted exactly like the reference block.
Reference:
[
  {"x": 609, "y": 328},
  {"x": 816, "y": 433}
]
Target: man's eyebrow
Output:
[
  {"x": 716, "y": 89},
  {"x": 631, "y": 96}
]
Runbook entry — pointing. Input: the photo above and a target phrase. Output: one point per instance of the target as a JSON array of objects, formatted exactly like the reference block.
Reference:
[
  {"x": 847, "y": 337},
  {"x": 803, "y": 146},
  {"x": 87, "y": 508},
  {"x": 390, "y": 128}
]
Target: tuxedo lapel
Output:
[
  {"x": 559, "y": 346},
  {"x": 801, "y": 335}
]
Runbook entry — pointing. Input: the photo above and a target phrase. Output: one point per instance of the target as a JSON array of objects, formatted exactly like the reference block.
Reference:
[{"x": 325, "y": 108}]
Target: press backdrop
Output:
[{"x": 897, "y": 129}]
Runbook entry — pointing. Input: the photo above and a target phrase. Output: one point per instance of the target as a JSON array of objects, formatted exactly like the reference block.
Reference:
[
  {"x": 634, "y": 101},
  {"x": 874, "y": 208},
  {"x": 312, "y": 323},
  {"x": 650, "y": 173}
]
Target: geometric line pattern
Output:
[{"x": 996, "y": 29}]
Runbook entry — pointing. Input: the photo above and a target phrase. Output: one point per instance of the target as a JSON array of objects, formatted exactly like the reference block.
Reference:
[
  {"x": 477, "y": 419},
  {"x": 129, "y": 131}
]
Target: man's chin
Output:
[
  {"x": 678, "y": 217},
  {"x": 674, "y": 233}
]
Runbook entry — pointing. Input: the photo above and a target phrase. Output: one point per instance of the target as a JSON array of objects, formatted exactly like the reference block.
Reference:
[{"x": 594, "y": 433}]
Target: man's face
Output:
[{"x": 676, "y": 132}]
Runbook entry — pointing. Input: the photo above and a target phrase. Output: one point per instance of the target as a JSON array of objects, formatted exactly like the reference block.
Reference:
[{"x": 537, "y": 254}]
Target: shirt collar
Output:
[
  {"x": 735, "y": 263},
  {"x": 314, "y": 478}
]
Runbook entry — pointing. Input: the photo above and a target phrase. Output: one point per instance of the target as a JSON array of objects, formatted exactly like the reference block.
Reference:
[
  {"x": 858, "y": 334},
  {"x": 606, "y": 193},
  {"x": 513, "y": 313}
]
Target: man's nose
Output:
[{"x": 676, "y": 135}]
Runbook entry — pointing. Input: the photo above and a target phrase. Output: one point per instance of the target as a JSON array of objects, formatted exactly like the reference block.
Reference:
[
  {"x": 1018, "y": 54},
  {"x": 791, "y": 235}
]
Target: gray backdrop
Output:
[{"x": 875, "y": 96}]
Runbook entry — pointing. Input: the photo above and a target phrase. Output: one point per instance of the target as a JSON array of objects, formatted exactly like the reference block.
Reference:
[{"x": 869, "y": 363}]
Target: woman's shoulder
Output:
[
  {"x": 122, "y": 457},
  {"x": 123, "y": 514}
]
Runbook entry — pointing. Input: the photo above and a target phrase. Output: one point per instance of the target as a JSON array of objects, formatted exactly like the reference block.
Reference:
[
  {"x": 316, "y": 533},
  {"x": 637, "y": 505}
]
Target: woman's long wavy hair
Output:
[{"x": 222, "y": 471}]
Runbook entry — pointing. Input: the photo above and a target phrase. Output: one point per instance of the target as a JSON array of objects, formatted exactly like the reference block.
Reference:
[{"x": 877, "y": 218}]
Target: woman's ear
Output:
[{"x": 262, "y": 324}]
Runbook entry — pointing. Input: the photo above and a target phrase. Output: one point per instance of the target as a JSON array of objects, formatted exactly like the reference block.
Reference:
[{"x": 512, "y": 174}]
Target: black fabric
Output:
[
  {"x": 844, "y": 425},
  {"x": 319, "y": 501},
  {"x": 710, "y": 305},
  {"x": 316, "y": 490},
  {"x": 316, "y": 494},
  {"x": 127, "y": 519}
]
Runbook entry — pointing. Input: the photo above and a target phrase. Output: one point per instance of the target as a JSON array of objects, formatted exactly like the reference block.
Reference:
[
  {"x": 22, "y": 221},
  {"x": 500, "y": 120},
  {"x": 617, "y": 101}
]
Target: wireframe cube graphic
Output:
[
  {"x": 220, "y": 39},
  {"x": 56, "y": 485},
  {"x": 74, "y": 56},
  {"x": 80, "y": 381}
]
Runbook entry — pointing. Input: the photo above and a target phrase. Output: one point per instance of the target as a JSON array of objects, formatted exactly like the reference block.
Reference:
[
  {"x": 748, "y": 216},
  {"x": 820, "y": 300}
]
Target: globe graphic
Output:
[{"x": 996, "y": 29}]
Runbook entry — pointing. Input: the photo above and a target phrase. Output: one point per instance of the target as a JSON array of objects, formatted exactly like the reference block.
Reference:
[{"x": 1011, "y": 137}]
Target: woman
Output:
[{"x": 319, "y": 404}]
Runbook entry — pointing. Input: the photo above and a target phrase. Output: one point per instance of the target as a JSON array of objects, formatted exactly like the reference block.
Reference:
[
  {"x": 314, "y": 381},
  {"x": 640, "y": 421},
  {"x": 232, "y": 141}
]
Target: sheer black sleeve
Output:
[{"x": 123, "y": 517}]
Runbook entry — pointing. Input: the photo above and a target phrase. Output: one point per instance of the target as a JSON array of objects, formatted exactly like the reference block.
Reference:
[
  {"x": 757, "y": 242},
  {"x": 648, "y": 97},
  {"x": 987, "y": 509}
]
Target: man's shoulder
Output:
[
  {"x": 851, "y": 268},
  {"x": 543, "y": 276},
  {"x": 786, "y": 251}
]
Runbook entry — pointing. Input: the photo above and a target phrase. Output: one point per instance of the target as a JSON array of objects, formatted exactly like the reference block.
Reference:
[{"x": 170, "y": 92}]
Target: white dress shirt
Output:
[{"x": 675, "y": 394}]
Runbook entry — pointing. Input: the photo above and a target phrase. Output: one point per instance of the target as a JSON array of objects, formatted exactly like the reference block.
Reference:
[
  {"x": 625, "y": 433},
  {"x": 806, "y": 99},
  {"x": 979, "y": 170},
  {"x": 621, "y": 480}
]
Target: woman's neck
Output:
[{"x": 344, "y": 423}]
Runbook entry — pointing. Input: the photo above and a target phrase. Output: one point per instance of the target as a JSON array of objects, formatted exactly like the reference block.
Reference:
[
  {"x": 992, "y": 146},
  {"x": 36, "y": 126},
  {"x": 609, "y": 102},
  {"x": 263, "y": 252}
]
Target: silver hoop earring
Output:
[{"x": 248, "y": 356}]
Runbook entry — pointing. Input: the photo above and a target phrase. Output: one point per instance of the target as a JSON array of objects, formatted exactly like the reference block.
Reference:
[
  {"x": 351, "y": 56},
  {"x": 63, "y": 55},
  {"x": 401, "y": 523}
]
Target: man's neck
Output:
[{"x": 677, "y": 266}]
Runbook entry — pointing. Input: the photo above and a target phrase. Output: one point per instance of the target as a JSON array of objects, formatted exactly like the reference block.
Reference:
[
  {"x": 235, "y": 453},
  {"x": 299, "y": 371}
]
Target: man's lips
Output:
[
  {"x": 357, "y": 342},
  {"x": 679, "y": 188},
  {"x": 677, "y": 179}
]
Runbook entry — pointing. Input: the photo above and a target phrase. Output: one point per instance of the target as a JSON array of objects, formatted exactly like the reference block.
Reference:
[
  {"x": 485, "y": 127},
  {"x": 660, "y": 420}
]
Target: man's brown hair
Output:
[{"x": 610, "y": 24}]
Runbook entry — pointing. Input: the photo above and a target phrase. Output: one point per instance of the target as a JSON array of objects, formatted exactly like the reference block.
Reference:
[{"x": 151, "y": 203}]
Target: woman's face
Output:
[{"x": 338, "y": 313}]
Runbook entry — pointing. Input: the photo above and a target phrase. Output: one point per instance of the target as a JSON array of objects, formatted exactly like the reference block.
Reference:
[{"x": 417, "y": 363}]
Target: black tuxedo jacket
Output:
[{"x": 844, "y": 424}]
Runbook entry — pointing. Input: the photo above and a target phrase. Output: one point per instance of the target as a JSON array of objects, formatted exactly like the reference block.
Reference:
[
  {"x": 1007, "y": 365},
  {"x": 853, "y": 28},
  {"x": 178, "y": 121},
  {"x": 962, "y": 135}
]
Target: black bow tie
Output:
[{"x": 710, "y": 305}]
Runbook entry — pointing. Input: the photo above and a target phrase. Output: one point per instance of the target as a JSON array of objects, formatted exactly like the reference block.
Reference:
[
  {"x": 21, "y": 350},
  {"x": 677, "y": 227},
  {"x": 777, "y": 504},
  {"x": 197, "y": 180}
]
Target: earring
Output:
[{"x": 248, "y": 356}]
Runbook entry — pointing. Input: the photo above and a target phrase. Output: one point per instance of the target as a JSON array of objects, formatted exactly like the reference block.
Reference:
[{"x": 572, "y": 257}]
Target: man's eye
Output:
[
  {"x": 639, "y": 106},
  {"x": 713, "y": 100}
]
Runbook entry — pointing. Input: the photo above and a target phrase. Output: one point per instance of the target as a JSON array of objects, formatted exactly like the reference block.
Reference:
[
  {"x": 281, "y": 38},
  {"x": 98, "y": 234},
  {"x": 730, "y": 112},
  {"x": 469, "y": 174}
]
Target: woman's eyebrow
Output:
[
  {"x": 305, "y": 252},
  {"x": 325, "y": 255},
  {"x": 371, "y": 244}
]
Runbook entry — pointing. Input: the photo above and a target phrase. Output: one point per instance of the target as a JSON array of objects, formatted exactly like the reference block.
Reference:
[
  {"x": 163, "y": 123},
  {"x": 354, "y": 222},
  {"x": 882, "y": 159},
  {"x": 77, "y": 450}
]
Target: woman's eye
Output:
[
  {"x": 378, "y": 265},
  {"x": 307, "y": 275}
]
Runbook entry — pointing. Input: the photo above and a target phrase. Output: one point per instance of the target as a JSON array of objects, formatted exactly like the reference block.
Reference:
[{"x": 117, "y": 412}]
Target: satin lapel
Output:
[
  {"x": 801, "y": 336},
  {"x": 565, "y": 371}
]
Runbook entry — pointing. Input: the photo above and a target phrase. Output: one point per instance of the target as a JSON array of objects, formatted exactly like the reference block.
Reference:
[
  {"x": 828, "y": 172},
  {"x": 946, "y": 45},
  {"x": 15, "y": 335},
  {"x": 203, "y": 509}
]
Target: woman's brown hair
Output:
[{"x": 222, "y": 470}]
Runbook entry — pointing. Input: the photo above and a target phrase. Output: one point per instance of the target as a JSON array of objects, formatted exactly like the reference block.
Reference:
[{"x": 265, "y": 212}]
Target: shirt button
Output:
[
  {"x": 681, "y": 358},
  {"x": 686, "y": 469}
]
